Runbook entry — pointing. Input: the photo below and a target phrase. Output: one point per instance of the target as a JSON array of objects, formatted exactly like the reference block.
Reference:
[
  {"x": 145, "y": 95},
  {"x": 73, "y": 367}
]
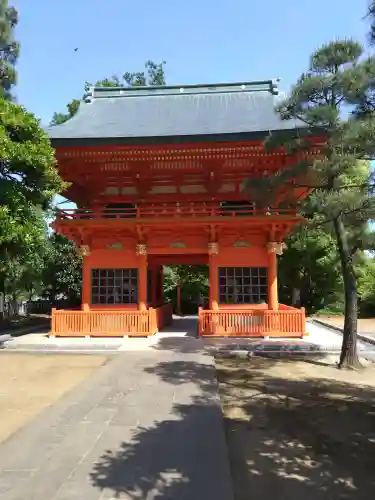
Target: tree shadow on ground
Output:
[
  {"x": 170, "y": 458},
  {"x": 304, "y": 438},
  {"x": 296, "y": 438}
]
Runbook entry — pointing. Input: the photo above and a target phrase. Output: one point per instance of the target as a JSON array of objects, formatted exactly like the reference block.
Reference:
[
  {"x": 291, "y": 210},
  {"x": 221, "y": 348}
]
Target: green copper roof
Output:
[
  {"x": 210, "y": 88},
  {"x": 178, "y": 113}
]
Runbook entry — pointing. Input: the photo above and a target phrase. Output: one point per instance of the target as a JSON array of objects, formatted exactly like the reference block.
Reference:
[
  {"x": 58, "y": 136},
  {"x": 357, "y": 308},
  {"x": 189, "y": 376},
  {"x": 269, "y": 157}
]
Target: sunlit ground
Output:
[{"x": 31, "y": 382}]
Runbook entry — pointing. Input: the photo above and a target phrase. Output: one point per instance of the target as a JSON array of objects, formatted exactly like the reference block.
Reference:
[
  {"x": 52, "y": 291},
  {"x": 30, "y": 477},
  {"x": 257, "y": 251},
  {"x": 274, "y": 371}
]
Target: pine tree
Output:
[
  {"x": 371, "y": 15},
  {"x": 362, "y": 92},
  {"x": 340, "y": 186},
  {"x": 9, "y": 49}
]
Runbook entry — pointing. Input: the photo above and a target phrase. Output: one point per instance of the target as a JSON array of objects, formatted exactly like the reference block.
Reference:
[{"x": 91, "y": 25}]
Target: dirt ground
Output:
[
  {"x": 365, "y": 325},
  {"x": 298, "y": 429},
  {"x": 31, "y": 382}
]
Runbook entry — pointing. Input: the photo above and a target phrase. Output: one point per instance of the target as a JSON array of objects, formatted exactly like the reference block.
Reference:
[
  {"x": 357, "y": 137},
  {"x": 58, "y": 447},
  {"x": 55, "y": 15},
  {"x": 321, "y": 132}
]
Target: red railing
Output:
[
  {"x": 73, "y": 323},
  {"x": 252, "y": 323},
  {"x": 103, "y": 323},
  {"x": 197, "y": 210}
]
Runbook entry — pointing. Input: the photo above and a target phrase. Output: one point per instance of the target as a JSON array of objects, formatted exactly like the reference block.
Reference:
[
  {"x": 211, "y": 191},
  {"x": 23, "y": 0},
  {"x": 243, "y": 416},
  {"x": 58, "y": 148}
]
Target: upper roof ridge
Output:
[{"x": 152, "y": 90}]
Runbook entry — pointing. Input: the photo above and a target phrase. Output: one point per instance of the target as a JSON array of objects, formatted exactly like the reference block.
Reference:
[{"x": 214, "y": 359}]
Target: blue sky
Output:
[{"x": 203, "y": 41}]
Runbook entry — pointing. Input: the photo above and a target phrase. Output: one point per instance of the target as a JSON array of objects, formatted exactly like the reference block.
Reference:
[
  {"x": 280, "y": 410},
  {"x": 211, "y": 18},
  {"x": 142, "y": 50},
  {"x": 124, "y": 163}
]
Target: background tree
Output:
[
  {"x": 154, "y": 74},
  {"x": 192, "y": 280},
  {"x": 28, "y": 181},
  {"x": 366, "y": 285},
  {"x": 62, "y": 273},
  {"x": 22, "y": 271},
  {"x": 318, "y": 101},
  {"x": 371, "y": 15},
  {"x": 309, "y": 271},
  {"x": 9, "y": 48},
  {"x": 72, "y": 109}
]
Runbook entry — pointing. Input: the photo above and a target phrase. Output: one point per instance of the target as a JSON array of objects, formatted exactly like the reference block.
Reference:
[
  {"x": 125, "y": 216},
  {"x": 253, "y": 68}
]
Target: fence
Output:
[{"x": 286, "y": 322}]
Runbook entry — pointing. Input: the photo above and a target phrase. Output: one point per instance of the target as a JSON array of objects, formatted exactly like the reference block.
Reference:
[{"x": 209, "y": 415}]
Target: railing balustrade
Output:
[
  {"x": 188, "y": 210},
  {"x": 104, "y": 323},
  {"x": 252, "y": 323}
]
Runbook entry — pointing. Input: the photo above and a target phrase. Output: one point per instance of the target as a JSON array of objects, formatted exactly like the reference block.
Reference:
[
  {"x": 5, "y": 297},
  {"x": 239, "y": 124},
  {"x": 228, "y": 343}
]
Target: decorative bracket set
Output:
[{"x": 276, "y": 247}]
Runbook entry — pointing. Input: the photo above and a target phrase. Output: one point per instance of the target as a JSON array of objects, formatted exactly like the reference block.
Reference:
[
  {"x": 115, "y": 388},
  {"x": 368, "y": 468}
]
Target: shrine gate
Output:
[{"x": 159, "y": 176}]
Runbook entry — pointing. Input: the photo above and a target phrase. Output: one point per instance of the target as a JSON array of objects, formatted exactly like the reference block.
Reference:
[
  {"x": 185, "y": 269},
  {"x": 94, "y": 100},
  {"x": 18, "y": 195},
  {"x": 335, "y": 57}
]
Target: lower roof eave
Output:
[{"x": 170, "y": 140}]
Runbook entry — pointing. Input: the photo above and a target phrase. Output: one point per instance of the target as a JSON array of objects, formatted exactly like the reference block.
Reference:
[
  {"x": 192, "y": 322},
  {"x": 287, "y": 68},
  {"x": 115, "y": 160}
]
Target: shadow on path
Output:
[{"x": 183, "y": 457}]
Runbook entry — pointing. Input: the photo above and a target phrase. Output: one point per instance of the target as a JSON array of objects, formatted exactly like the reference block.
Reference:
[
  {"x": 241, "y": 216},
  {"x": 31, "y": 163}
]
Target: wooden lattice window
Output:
[
  {"x": 114, "y": 286},
  {"x": 243, "y": 285}
]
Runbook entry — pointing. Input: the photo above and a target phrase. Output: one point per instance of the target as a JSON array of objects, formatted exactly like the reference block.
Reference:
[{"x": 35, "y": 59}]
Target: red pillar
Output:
[
  {"x": 213, "y": 251},
  {"x": 86, "y": 279},
  {"x": 273, "y": 300},
  {"x": 142, "y": 276}
]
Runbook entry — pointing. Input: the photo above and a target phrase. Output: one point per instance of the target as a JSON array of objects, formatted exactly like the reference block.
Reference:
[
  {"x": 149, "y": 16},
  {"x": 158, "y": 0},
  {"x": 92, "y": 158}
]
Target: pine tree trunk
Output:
[{"x": 348, "y": 356}]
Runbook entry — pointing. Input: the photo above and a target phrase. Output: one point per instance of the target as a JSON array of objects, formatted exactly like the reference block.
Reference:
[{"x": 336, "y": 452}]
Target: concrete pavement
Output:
[{"x": 145, "y": 426}]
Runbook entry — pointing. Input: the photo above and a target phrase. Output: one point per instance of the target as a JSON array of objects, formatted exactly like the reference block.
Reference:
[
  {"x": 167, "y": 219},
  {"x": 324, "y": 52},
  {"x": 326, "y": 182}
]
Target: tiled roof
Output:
[{"x": 142, "y": 113}]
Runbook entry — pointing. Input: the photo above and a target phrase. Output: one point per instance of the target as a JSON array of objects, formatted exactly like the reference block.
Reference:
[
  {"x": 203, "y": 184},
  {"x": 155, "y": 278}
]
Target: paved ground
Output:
[
  {"x": 31, "y": 382},
  {"x": 366, "y": 326},
  {"x": 146, "y": 425}
]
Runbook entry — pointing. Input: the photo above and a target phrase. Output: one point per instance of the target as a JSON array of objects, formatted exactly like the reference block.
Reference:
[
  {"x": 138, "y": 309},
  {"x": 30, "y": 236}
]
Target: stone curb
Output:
[
  {"x": 4, "y": 338},
  {"x": 42, "y": 350},
  {"x": 337, "y": 329}
]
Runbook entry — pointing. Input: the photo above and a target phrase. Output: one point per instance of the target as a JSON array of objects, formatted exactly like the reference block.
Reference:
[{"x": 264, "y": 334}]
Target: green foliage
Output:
[
  {"x": 72, "y": 109},
  {"x": 28, "y": 171},
  {"x": 309, "y": 271},
  {"x": 154, "y": 74},
  {"x": 371, "y": 16},
  {"x": 28, "y": 174},
  {"x": 28, "y": 182},
  {"x": 22, "y": 261},
  {"x": 62, "y": 273},
  {"x": 366, "y": 286},
  {"x": 9, "y": 48},
  {"x": 193, "y": 280}
]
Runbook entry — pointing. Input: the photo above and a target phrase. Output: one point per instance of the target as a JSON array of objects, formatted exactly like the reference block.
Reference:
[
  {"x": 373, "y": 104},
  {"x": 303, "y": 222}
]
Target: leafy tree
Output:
[
  {"x": 362, "y": 91},
  {"x": 9, "y": 48},
  {"x": 62, "y": 274},
  {"x": 28, "y": 180},
  {"x": 319, "y": 101},
  {"x": 72, "y": 109},
  {"x": 366, "y": 285},
  {"x": 309, "y": 274},
  {"x": 192, "y": 281},
  {"x": 154, "y": 74},
  {"x": 371, "y": 15},
  {"x": 22, "y": 271}
]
